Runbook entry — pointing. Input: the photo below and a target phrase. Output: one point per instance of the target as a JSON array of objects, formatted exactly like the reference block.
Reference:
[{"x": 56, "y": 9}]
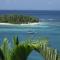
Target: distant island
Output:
[{"x": 17, "y": 19}]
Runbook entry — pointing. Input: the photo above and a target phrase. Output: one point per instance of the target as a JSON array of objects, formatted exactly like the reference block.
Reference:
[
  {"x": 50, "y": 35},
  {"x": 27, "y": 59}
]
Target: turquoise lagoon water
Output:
[{"x": 50, "y": 30}]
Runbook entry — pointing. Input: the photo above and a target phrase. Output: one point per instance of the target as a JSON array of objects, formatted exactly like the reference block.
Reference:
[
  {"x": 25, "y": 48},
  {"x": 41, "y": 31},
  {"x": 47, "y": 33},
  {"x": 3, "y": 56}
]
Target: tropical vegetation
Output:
[
  {"x": 21, "y": 50},
  {"x": 17, "y": 19}
]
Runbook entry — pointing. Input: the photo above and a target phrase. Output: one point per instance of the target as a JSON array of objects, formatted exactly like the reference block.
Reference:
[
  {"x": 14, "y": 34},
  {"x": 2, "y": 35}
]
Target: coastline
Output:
[{"x": 10, "y": 24}]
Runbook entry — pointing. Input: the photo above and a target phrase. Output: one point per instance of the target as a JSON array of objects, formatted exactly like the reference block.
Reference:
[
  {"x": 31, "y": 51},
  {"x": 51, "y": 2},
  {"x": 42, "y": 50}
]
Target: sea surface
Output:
[{"x": 48, "y": 27}]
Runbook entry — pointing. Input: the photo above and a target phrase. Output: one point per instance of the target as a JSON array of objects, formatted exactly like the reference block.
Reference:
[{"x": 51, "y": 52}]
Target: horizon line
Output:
[{"x": 30, "y": 10}]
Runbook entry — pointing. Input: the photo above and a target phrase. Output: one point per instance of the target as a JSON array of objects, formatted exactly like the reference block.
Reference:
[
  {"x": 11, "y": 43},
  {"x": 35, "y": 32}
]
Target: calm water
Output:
[{"x": 48, "y": 27}]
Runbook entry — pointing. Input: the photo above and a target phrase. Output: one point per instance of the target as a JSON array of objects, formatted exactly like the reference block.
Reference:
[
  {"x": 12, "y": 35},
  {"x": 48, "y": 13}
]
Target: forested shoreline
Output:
[{"x": 17, "y": 19}]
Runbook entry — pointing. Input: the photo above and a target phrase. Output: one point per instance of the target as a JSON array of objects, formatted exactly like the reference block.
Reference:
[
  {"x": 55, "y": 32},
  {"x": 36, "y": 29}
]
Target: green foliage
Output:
[
  {"x": 1, "y": 55},
  {"x": 17, "y": 19},
  {"x": 15, "y": 41},
  {"x": 21, "y": 51},
  {"x": 5, "y": 49}
]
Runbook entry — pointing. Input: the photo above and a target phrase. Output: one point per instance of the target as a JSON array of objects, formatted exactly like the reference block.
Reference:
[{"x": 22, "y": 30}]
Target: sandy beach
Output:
[{"x": 18, "y": 24}]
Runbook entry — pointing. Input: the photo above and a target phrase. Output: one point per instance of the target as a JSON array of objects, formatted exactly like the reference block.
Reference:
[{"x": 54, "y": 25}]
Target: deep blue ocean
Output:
[{"x": 48, "y": 27}]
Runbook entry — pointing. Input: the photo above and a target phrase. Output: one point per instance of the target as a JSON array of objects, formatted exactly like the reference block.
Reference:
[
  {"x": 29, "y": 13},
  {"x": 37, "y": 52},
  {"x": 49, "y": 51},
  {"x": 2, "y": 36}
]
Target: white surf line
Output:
[
  {"x": 6, "y": 24},
  {"x": 29, "y": 24},
  {"x": 18, "y": 24}
]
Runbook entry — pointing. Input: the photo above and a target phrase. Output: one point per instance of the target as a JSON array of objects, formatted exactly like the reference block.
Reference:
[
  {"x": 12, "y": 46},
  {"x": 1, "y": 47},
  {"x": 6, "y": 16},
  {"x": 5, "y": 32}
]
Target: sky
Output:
[{"x": 29, "y": 4}]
